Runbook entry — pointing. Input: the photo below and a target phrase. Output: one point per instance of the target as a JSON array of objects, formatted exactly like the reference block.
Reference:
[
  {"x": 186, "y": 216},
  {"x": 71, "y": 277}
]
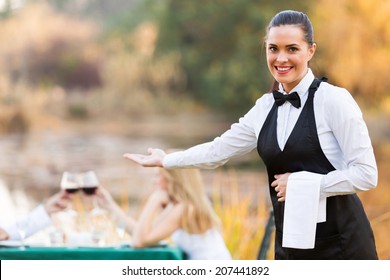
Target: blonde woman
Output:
[{"x": 177, "y": 208}]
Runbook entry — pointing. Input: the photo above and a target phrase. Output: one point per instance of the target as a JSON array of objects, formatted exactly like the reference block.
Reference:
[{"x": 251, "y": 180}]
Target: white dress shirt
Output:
[
  {"x": 342, "y": 133},
  {"x": 343, "y": 137},
  {"x": 33, "y": 222},
  {"x": 205, "y": 246}
]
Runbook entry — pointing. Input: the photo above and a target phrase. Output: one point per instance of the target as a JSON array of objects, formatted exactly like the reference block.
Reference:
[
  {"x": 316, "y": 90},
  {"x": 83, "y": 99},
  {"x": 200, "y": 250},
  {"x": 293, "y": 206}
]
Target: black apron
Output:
[{"x": 347, "y": 233}]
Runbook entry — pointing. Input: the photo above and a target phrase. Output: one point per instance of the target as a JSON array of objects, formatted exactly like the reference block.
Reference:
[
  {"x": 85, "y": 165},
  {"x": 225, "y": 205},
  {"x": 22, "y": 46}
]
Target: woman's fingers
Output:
[
  {"x": 144, "y": 160},
  {"x": 135, "y": 157},
  {"x": 280, "y": 185},
  {"x": 154, "y": 158}
]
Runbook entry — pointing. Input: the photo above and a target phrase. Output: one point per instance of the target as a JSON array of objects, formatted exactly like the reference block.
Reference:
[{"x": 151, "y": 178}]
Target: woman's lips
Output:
[{"x": 283, "y": 69}]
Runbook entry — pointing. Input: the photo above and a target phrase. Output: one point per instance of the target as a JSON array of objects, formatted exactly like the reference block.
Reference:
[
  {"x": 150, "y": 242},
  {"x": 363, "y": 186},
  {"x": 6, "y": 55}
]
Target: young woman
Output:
[
  {"x": 315, "y": 144},
  {"x": 178, "y": 208}
]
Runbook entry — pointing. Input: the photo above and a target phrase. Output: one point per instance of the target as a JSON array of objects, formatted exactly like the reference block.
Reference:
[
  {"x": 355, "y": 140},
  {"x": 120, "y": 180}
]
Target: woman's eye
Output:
[
  {"x": 293, "y": 49},
  {"x": 272, "y": 49}
]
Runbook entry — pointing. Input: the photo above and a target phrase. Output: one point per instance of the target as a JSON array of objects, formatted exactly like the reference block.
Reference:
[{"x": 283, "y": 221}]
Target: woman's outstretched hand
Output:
[{"x": 154, "y": 158}]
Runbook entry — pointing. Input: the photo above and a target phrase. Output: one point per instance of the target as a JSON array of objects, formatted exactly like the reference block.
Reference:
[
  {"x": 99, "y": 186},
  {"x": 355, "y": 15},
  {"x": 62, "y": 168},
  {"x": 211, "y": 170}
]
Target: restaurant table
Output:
[{"x": 91, "y": 253}]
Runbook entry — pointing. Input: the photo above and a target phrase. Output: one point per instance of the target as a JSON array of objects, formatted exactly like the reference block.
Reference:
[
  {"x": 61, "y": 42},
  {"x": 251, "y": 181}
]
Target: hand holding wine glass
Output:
[{"x": 57, "y": 202}]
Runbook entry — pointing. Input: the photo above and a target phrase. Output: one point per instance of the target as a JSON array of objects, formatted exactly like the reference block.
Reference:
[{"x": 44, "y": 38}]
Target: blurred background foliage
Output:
[
  {"x": 136, "y": 54},
  {"x": 64, "y": 63}
]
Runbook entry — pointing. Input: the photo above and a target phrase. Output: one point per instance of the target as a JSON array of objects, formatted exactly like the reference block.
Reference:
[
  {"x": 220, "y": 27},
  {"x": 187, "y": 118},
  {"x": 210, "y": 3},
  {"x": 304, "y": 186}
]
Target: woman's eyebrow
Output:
[
  {"x": 288, "y": 46},
  {"x": 292, "y": 45}
]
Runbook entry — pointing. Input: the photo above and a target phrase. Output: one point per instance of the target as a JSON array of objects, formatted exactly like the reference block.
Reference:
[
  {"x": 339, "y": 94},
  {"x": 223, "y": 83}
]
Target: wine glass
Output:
[
  {"x": 71, "y": 184},
  {"x": 121, "y": 231},
  {"x": 89, "y": 184}
]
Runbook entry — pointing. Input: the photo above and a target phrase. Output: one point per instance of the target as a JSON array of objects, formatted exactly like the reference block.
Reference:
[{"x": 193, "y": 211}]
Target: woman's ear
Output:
[{"x": 311, "y": 51}]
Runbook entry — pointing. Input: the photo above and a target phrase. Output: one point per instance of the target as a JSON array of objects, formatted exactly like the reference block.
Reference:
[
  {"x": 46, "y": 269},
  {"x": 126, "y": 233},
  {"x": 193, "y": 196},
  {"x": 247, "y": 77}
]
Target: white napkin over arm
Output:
[{"x": 303, "y": 210}]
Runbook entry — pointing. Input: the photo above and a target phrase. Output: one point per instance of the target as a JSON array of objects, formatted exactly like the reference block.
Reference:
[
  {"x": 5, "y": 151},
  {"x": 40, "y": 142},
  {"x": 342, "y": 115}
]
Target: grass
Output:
[
  {"x": 243, "y": 210},
  {"x": 376, "y": 203},
  {"x": 243, "y": 214}
]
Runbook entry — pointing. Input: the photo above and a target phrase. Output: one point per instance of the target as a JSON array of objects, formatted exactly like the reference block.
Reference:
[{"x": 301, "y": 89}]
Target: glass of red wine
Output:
[
  {"x": 70, "y": 183},
  {"x": 89, "y": 184}
]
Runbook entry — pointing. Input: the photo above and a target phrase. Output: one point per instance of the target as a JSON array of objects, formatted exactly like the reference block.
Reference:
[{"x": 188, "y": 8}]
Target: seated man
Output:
[{"x": 38, "y": 219}]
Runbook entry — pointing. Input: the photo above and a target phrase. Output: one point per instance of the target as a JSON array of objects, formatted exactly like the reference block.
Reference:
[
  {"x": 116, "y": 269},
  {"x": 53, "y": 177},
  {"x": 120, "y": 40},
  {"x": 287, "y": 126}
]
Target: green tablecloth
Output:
[{"x": 88, "y": 253}]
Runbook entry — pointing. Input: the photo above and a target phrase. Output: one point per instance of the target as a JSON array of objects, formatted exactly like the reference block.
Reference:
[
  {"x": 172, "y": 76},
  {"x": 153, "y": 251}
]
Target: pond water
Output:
[{"x": 32, "y": 164}]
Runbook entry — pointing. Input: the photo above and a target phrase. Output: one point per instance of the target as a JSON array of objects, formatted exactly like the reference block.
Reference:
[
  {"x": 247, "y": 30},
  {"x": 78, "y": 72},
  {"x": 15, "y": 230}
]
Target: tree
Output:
[
  {"x": 45, "y": 48},
  {"x": 354, "y": 45},
  {"x": 220, "y": 45}
]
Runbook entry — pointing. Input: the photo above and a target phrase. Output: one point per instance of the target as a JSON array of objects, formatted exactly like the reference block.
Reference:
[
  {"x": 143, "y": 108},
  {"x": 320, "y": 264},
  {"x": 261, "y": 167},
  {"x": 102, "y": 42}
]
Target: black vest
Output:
[{"x": 347, "y": 233}]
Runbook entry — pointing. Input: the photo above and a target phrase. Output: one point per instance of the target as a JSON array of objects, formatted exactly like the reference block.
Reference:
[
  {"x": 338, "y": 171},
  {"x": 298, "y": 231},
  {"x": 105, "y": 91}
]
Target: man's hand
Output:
[{"x": 57, "y": 202}]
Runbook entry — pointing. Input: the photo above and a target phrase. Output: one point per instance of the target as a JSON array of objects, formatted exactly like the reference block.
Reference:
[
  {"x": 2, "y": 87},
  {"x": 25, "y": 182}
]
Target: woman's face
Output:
[{"x": 288, "y": 54}]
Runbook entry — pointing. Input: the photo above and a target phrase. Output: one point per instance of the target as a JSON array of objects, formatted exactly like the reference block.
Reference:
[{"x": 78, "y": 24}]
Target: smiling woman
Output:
[
  {"x": 288, "y": 55},
  {"x": 317, "y": 151}
]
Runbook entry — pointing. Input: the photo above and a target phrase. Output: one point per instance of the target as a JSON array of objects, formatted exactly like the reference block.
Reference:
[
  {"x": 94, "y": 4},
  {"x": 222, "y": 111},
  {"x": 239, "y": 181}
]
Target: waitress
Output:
[{"x": 315, "y": 144}]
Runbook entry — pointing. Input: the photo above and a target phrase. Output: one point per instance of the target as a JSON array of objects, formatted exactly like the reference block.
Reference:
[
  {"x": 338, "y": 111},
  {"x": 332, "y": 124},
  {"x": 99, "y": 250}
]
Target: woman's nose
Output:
[{"x": 282, "y": 57}]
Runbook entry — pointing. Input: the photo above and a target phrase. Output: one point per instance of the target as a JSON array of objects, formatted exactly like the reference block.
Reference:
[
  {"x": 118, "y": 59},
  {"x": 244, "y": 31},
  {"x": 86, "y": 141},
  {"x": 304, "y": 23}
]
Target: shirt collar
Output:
[{"x": 303, "y": 85}]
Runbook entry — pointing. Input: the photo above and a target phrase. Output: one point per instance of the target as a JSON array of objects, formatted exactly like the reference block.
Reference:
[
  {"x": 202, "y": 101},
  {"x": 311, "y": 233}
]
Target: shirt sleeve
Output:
[
  {"x": 240, "y": 139},
  {"x": 350, "y": 131},
  {"x": 35, "y": 221}
]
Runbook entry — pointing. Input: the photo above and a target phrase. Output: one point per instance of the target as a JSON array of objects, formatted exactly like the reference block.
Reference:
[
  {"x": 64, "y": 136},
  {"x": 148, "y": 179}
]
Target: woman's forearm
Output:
[
  {"x": 143, "y": 229},
  {"x": 122, "y": 218}
]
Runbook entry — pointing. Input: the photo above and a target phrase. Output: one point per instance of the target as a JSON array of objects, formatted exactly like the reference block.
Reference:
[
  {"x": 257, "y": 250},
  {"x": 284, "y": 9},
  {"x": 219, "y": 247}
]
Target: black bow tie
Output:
[{"x": 293, "y": 98}]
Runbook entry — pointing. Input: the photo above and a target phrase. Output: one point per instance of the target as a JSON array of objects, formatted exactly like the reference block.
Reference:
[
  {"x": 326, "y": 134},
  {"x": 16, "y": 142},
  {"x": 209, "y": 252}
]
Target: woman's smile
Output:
[
  {"x": 283, "y": 69},
  {"x": 288, "y": 55}
]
